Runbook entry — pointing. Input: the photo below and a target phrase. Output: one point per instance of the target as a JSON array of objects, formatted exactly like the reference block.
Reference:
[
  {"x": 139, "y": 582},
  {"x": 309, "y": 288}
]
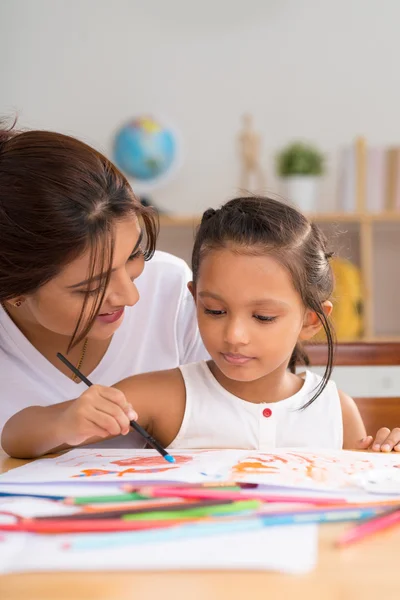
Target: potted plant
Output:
[{"x": 301, "y": 165}]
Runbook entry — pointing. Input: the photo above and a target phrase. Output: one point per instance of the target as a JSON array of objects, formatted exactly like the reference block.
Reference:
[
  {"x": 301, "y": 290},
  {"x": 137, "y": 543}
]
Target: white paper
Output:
[
  {"x": 297, "y": 469},
  {"x": 288, "y": 549}
]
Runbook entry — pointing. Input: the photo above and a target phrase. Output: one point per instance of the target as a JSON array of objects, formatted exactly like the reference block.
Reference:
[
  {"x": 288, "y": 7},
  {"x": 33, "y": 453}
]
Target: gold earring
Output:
[{"x": 18, "y": 303}]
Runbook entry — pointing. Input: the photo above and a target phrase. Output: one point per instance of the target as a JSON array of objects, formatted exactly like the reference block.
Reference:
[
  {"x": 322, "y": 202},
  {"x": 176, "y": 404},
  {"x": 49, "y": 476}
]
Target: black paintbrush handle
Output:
[{"x": 149, "y": 439}]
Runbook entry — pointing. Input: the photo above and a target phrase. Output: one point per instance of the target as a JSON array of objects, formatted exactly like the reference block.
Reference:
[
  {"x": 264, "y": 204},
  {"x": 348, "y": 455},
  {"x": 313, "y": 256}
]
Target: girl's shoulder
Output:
[{"x": 168, "y": 382}]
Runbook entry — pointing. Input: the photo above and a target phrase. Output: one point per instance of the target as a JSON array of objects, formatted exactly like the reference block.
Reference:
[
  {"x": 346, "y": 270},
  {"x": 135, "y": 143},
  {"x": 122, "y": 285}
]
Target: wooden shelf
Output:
[{"x": 334, "y": 217}]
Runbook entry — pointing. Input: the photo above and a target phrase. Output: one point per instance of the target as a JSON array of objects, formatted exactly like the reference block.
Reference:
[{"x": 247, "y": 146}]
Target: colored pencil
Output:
[
  {"x": 162, "y": 492},
  {"x": 162, "y": 508},
  {"x": 192, "y": 530},
  {"x": 103, "y": 499},
  {"x": 85, "y": 526},
  {"x": 27, "y": 495},
  {"x": 200, "y": 529},
  {"x": 370, "y": 527},
  {"x": 233, "y": 509},
  {"x": 149, "y": 439}
]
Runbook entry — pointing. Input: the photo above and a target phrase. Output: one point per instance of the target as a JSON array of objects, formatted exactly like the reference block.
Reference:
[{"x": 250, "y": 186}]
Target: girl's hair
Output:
[
  {"x": 58, "y": 199},
  {"x": 260, "y": 225}
]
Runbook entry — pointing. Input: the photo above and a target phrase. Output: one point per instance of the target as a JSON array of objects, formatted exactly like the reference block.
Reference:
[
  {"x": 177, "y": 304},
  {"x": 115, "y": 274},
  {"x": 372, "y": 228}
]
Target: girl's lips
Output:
[
  {"x": 111, "y": 317},
  {"x": 237, "y": 359}
]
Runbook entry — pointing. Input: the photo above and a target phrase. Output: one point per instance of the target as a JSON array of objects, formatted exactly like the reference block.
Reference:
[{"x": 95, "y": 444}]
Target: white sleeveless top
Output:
[{"x": 215, "y": 418}]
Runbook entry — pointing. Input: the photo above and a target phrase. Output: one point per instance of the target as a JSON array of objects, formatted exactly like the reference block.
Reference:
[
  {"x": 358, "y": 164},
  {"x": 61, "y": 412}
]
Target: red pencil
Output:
[
  {"x": 161, "y": 492},
  {"x": 370, "y": 527},
  {"x": 101, "y": 525}
]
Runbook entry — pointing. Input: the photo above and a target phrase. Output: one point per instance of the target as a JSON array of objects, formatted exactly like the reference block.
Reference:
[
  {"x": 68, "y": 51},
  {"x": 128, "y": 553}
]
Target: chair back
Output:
[{"x": 376, "y": 412}]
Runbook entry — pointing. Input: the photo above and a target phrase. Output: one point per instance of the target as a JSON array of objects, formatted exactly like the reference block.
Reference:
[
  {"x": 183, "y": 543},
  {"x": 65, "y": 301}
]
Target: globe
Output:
[{"x": 145, "y": 150}]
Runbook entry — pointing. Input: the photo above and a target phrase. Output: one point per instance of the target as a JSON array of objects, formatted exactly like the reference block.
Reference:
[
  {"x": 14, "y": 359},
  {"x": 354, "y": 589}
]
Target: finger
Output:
[
  {"x": 119, "y": 398},
  {"x": 105, "y": 421},
  {"x": 397, "y": 448},
  {"x": 380, "y": 438},
  {"x": 392, "y": 440},
  {"x": 96, "y": 431},
  {"x": 131, "y": 412},
  {"x": 116, "y": 413},
  {"x": 112, "y": 394},
  {"x": 365, "y": 443}
]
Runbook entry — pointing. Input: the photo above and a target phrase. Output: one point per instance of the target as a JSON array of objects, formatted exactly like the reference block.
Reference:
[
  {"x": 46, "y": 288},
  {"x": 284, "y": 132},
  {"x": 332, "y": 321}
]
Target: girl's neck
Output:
[{"x": 276, "y": 386}]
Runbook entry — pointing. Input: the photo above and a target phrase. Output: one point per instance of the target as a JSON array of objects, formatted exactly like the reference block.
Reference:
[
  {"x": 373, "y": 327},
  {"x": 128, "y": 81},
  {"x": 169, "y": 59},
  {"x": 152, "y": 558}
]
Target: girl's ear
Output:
[{"x": 312, "y": 324}]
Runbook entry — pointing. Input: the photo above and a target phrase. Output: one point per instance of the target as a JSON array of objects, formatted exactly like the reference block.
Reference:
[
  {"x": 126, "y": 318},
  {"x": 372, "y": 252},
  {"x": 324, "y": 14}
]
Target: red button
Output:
[{"x": 267, "y": 412}]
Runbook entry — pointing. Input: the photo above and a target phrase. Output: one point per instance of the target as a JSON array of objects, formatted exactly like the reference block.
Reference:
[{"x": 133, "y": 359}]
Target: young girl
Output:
[{"x": 261, "y": 284}]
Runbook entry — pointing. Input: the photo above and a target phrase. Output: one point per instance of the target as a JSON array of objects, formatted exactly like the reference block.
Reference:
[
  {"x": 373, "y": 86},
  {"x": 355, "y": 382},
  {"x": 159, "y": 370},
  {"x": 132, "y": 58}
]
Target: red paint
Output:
[{"x": 149, "y": 461}]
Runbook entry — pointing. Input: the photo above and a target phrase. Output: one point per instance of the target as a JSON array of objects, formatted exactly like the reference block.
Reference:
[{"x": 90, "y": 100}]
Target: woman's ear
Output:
[
  {"x": 192, "y": 289},
  {"x": 312, "y": 323}
]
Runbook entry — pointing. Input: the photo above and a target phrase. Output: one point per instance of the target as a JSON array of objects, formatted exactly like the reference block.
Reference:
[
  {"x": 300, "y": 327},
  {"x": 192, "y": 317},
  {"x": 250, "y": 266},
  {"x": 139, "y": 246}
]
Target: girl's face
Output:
[
  {"x": 250, "y": 315},
  {"x": 57, "y": 304}
]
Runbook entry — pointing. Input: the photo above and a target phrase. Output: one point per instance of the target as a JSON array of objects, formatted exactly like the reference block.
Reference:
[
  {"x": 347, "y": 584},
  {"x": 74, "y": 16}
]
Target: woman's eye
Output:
[
  {"x": 265, "y": 319},
  {"x": 136, "y": 254},
  {"x": 90, "y": 292},
  {"x": 215, "y": 313}
]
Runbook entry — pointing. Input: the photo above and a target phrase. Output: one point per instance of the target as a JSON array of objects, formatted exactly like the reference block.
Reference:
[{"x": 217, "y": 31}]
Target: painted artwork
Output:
[
  {"x": 316, "y": 470},
  {"x": 114, "y": 465},
  {"x": 324, "y": 470}
]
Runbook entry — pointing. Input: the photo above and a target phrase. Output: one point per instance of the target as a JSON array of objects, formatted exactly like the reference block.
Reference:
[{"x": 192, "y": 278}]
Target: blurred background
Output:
[{"x": 197, "y": 102}]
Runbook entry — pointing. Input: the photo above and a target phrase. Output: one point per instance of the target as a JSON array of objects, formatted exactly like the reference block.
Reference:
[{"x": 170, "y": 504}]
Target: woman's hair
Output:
[
  {"x": 58, "y": 199},
  {"x": 258, "y": 225}
]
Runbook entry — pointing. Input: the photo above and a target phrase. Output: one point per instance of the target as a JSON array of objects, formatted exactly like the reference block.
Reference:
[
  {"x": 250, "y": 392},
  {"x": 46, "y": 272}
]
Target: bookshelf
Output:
[{"x": 370, "y": 240}]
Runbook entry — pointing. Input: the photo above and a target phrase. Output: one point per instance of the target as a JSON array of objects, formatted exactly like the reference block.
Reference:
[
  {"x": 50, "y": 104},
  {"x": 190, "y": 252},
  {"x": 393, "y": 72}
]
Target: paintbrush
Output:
[{"x": 149, "y": 439}]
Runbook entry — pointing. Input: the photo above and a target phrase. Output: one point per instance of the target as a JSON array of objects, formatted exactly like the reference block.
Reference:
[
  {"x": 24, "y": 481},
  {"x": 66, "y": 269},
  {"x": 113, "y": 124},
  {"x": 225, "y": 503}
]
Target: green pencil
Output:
[
  {"x": 190, "y": 513},
  {"x": 113, "y": 498}
]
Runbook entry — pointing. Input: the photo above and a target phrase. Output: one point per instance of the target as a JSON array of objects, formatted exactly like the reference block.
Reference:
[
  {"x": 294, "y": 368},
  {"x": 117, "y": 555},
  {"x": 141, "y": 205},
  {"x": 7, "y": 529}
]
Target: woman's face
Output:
[{"x": 58, "y": 304}]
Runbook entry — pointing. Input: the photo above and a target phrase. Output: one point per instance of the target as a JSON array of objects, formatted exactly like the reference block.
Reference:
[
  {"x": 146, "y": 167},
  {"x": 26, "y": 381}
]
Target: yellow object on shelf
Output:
[{"x": 347, "y": 314}]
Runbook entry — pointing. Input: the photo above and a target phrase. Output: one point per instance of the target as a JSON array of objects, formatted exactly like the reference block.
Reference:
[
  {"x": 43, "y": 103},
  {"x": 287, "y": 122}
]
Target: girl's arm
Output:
[
  {"x": 353, "y": 426},
  {"x": 99, "y": 413},
  {"x": 355, "y": 436}
]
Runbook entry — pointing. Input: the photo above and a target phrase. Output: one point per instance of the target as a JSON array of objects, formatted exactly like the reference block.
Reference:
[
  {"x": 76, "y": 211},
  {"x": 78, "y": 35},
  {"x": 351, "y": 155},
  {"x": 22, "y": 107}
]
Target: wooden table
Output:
[{"x": 370, "y": 570}]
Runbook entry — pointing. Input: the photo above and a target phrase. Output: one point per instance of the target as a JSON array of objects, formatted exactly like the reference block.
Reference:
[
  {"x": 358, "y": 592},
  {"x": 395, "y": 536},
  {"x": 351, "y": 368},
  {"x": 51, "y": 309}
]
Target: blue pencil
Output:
[
  {"x": 98, "y": 541},
  {"x": 26, "y": 495}
]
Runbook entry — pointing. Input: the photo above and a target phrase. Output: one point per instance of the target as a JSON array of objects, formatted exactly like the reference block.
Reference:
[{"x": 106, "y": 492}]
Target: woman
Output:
[{"x": 73, "y": 244}]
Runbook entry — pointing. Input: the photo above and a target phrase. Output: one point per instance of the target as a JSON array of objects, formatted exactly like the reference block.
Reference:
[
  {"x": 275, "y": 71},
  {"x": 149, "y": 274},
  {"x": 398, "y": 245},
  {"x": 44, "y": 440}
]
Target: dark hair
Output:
[
  {"x": 263, "y": 225},
  {"x": 59, "y": 198}
]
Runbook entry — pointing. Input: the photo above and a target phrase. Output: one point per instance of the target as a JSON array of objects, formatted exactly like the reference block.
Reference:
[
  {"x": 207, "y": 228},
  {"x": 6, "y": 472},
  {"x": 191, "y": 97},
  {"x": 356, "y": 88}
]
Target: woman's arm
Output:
[{"x": 99, "y": 413}]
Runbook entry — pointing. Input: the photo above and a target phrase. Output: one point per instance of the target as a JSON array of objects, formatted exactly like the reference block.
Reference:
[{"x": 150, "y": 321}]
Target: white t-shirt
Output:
[
  {"x": 160, "y": 332},
  {"x": 215, "y": 418}
]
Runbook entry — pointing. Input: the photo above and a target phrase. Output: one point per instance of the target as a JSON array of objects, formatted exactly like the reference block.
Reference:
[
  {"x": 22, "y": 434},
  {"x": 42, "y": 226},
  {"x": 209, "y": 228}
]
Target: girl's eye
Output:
[
  {"x": 215, "y": 313},
  {"x": 265, "y": 319}
]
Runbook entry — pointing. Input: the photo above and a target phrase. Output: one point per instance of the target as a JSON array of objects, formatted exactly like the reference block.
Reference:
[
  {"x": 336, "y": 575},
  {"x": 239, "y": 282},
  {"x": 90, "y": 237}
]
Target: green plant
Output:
[{"x": 299, "y": 159}]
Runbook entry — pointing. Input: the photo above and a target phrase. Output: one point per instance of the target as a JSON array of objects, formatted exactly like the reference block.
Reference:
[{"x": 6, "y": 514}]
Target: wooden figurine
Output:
[{"x": 251, "y": 175}]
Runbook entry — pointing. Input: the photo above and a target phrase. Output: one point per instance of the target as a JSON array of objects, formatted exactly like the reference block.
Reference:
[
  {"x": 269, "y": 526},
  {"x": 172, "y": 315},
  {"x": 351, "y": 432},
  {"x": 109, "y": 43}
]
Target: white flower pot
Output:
[{"x": 302, "y": 190}]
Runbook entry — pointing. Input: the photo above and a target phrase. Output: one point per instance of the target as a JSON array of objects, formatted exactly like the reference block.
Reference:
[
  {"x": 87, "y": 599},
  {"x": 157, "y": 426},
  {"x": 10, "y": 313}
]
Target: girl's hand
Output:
[
  {"x": 385, "y": 441},
  {"x": 99, "y": 412}
]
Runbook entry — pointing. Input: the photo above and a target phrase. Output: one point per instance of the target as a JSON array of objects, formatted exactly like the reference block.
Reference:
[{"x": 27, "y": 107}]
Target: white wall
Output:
[{"x": 325, "y": 70}]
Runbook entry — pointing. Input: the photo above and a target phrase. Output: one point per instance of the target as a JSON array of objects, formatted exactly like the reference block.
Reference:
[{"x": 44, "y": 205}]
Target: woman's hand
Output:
[
  {"x": 99, "y": 412},
  {"x": 384, "y": 441}
]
